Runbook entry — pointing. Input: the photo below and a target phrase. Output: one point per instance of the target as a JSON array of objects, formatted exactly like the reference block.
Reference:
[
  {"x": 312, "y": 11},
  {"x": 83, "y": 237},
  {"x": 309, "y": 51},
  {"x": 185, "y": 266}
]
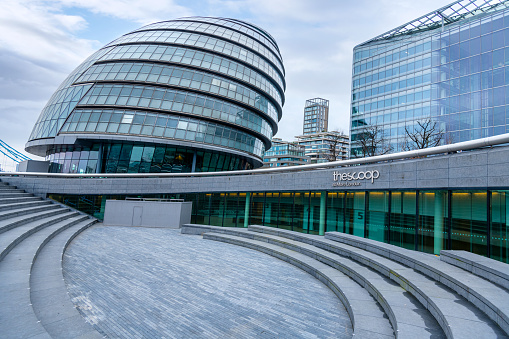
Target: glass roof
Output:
[{"x": 451, "y": 13}]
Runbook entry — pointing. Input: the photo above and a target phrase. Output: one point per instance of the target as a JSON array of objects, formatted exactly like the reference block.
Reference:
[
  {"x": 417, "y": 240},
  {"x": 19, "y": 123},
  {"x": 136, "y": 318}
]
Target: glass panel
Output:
[
  {"x": 241, "y": 214},
  {"x": 469, "y": 218},
  {"x": 355, "y": 213},
  {"x": 217, "y": 206},
  {"x": 403, "y": 219},
  {"x": 270, "y": 213},
  {"x": 499, "y": 225},
  {"x": 378, "y": 216},
  {"x": 231, "y": 210},
  {"x": 433, "y": 214},
  {"x": 256, "y": 210},
  {"x": 285, "y": 210},
  {"x": 314, "y": 210},
  {"x": 201, "y": 210},
  {"x": 301, "y": 207},
  {"x": 335, "y": 212}
]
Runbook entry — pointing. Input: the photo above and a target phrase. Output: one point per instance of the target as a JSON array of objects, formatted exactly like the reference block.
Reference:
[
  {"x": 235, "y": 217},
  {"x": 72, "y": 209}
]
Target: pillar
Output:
[
  {"x": 438, "y": 227},
  {"x": 246, "y": 209},
  {"x": 323, "y": 206}
]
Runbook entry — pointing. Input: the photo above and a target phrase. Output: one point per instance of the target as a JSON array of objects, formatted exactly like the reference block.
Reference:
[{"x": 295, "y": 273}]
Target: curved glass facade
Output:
[
  {"x": 456, "y": 74},
  {"x": 204, "y": 85}
]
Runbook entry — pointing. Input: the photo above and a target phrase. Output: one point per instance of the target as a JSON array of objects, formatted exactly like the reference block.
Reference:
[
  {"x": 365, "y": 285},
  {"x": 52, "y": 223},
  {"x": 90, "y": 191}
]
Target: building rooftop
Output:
[{"x": 446, "y": 15}]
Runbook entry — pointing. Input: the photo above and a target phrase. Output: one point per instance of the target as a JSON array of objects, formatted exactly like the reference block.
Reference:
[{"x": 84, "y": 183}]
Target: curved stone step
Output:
[
  {"x": 495, "y": 271},
  {"x": 18, "y": 317},
  {"x": 488, "y": 297},
  {"x": 457, "y": 317},
  {"x": 15, "y": 194},
  {"x": 48, "y": 292},
  {"x": 367, "y": 319},
  {"x": 26, "y": 210},
  {"x": 11, "y": 223},
  {"x": 18, "y": 200},
  {"x": 408, "y": 317},
  {"x": 17, "y": 205},
  {"x": 11, "y": 239}
]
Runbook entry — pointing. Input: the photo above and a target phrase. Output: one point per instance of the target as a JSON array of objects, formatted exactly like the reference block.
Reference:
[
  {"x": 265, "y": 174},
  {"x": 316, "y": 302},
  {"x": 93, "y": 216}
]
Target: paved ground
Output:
[{"x": 156, "y": 283}]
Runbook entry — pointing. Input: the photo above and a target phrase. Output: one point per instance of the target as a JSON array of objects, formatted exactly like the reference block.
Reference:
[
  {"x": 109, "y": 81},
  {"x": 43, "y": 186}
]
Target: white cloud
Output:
[{"x": 141, "y": 11}]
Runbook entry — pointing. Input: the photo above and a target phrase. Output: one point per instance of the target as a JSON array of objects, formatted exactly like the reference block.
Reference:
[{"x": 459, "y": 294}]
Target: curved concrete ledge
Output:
[
  {"x": 364, "y": 326},
  {"x": 27, "y": 227},
  {"x": 486, "y": 296},
  {"x": 493, "y": 270},
  {"x": 457, "y": 318}
]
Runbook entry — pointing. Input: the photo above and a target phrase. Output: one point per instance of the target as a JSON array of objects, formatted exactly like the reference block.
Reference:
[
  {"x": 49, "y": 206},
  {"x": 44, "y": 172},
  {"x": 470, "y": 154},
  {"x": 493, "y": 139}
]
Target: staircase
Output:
[
  {"x": 34, "y": 233},
  {"x": 390, "y": 292}
]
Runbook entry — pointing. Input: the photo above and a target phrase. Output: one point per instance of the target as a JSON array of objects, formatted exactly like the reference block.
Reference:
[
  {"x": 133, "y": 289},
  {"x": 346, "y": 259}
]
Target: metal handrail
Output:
[{"x": 460, "y": 146}]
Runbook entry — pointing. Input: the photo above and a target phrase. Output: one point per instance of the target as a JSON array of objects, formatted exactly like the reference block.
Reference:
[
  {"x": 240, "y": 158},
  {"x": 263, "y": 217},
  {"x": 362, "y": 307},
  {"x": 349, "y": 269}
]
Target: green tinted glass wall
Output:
[
  {"x": 433, "y": 212},
  {"x": 377, "y": 227},
  {"x": 469, "y": 221},
  {"x": 403, "y": 214},
  {"x": 499, "y": 228}
]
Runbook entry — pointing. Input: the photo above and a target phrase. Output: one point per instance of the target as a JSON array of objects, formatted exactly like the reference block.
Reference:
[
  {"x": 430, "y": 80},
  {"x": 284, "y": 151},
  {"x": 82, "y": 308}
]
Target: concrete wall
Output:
[
  {"x": 147, "y": 213},
  {"x": 33, "y": 166},
  {"x": 485, "y": 168}
]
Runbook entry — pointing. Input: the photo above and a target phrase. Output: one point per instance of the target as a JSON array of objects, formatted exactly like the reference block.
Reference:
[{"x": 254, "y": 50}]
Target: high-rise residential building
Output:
[
  {"x": 449, "y": 67},
  {"x": 187, "y": 95},
  {"x": 324, "y": 146},
  {"x": 285, "y": 153},
  {"x": 316, "y": 116}
]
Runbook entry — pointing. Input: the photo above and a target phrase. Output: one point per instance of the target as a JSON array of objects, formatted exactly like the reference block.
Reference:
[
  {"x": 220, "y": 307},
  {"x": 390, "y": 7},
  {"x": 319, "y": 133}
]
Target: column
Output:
[
  {"x": 438, "y": 227},
  {"x": 323, "y": 206},
  {"x": 246, "y": 209}
]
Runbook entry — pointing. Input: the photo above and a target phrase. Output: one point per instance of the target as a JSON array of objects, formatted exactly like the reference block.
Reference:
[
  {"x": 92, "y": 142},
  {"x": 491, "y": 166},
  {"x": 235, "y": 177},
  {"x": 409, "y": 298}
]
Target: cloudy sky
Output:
[{"x": 41, "y": 42}]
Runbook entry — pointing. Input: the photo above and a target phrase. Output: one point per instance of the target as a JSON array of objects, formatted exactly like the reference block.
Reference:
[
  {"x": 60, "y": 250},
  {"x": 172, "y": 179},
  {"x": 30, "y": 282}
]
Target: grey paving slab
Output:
[{"x": 181, "y": 286}]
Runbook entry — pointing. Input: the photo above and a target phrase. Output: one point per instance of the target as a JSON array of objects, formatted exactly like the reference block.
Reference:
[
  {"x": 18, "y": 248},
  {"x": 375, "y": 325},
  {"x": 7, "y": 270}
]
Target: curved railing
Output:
[{"x": 444, "y": 149}]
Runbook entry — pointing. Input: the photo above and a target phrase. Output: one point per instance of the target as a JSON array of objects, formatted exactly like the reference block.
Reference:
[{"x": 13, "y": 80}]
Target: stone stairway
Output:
[
  {"x": 420, "y": 296},
  {"x": 34, "y": 233}
]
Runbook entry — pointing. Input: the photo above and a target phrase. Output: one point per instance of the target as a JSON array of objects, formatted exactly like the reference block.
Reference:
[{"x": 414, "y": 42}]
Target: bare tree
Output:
[
  {"x": 335, "y": 141},
  {"x": 426, "y": 134},
  {"x": 373, "y": 142}
]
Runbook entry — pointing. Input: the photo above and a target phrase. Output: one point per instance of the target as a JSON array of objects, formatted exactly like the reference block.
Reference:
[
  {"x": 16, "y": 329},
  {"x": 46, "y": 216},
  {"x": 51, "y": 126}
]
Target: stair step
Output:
[
  {"x": 9, "y": 240},
  {"x": 376, "y": 326},
  {"x": 12, "y": 206},
  {"x": 489, "y": 298},
  {"x": 6, "y": 225},
  {"x": 14, "y": 194},
  {"x": 48, "y": 291},
  {"x": 20, "y": 321},
  {"x": 26, "y": 210},
  {"x": 457, "y": 317},
  {"x": 19, "y": 200}
]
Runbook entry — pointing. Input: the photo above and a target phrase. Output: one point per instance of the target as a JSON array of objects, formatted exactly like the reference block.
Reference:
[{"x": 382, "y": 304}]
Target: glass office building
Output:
[
  {"x": 285, "y": 153},
  {"x": 450, "y": 66},
  {"x": 316, "y": 116},
  {"x": 186, "y": 95}
]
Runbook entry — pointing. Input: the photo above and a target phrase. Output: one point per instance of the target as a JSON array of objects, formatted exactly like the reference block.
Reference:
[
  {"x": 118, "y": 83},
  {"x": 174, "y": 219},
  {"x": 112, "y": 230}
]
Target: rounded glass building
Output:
[{"x": 187, "y": 95}]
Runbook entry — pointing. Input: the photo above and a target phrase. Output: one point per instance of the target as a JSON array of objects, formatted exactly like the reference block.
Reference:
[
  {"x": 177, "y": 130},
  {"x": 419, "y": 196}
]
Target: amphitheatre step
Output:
[
  {"x": 457, "y": 317},
  {"x": 48, "y": 292},
  {"x": 10, "y": 239},
  {"x": 27, "y": 210},
  {"x": 7, "y": 188},
  {"x": 16, "y": 312},
  {"x": 493, "y": 270},
  {"x": 488, "y": 297},
  {"x": 15, "y": 194},
  {"x": 4, "y": 201},
  {"x": 6, "y": 225},
  {"x": 408, "y": 317},
  {"x": 17, "y": 205},
  {"x": 368, "y": 320}
]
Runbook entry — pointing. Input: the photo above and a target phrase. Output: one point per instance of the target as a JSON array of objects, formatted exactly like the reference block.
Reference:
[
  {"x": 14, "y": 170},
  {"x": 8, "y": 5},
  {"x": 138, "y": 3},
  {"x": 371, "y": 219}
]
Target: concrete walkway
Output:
[{"x": 153, "y": 283}]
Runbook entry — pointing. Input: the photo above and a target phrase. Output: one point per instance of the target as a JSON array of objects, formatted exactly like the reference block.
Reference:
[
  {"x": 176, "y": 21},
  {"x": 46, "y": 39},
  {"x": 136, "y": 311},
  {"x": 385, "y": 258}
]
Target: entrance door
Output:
[{"x": 137, "y": 213}]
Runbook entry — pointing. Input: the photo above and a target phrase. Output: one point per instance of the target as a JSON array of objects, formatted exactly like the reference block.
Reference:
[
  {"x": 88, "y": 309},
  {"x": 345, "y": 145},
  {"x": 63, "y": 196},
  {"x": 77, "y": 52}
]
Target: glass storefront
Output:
[
  {"x": 428, "y": 221},
  {"x": 141, "y": 158}
]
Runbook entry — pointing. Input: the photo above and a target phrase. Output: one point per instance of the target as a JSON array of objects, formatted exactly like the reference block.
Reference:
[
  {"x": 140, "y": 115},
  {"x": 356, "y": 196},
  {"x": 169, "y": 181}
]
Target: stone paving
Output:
[{"x": 156, "y": 283}]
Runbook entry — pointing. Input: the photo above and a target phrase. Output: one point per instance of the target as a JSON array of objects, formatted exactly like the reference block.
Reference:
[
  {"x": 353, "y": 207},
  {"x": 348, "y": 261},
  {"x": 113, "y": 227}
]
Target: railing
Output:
[{"x": 444, "y": 149}]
